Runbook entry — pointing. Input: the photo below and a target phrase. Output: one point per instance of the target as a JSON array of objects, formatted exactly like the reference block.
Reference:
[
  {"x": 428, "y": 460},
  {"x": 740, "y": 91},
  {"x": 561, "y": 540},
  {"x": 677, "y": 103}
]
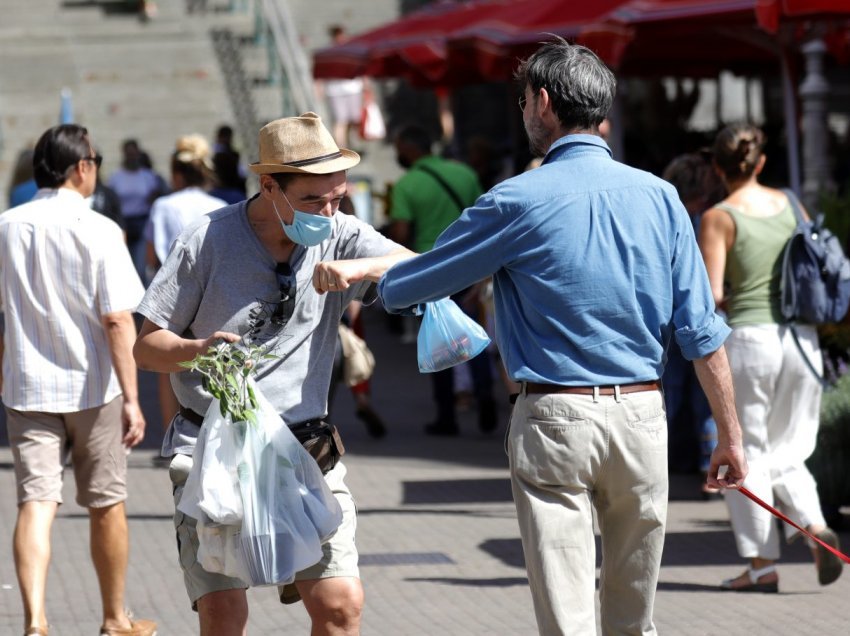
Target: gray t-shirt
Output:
[{"x": 219, "y": 277}]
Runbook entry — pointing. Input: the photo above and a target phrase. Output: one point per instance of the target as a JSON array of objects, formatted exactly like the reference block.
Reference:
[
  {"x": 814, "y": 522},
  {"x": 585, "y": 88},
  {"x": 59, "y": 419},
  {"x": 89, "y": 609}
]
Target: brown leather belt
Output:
[
  {"x": 536, "y": 387},
  {"x": 190, "y": 416}
]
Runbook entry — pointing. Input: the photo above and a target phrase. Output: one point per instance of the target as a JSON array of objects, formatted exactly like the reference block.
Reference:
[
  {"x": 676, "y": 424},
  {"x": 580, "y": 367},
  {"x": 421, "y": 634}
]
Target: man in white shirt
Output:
[{"x": 67, "y": 292}]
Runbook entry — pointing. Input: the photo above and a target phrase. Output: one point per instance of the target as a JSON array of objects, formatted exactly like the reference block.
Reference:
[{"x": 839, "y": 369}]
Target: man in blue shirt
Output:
[{"x": 595, "y": 267}]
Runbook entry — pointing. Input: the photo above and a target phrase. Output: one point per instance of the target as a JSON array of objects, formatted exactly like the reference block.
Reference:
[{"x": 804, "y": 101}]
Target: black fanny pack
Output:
[{"x": 319, "y": 438}]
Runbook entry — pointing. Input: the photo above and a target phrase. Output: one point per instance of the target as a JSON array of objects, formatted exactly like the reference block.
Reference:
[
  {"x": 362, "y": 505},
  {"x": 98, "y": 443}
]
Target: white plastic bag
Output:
[
  {"x": 212, "y": 487},
  {"x": 220, "y": 549},
  {"x": 447, "y": 337},
  {"x": 289, "y": 510},
  {"x": 372, "y": 125}
]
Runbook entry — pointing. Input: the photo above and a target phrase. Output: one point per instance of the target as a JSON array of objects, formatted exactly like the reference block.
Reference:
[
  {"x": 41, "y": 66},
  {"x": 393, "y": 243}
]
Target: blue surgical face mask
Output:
[{"x": 306, "y": 229}]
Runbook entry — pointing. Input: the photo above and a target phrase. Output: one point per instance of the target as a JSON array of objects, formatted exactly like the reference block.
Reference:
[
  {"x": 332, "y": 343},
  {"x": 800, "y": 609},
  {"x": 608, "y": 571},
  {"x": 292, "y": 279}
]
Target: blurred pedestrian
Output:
[
  {"x": 230, "y": 185},
  {"x": 67, "y": 291},
  {"x": 345, "y": 96},
  {"x": 136, "y": 187},
  {"x": 191, "y": 175},
  {"x": 595, "y": 267},
  {"x": 425, "y": 201},
  {"x": 776, "y": 393},
  {"x": 255, "y": 272},
  {"x": 692, "y": 430}
]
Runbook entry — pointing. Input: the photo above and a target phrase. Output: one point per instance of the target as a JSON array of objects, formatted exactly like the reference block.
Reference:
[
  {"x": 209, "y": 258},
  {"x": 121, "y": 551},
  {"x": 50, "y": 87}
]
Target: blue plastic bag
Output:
[{"x": 447, "y": 337}]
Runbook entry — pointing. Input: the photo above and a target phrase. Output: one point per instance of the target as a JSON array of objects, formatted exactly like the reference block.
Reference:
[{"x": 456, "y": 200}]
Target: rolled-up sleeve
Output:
[{"x": 698, "y": 343}]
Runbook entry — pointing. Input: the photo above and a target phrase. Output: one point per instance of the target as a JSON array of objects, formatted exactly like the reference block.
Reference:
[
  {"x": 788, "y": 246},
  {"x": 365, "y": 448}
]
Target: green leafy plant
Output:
[{"x": 226, "y": 368}]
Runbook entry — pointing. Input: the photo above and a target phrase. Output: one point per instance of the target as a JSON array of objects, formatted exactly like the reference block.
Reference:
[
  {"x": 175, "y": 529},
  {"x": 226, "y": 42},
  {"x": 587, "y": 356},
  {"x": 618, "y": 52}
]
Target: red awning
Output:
[
  {"x": 681, "y": 37},
  {"x": 451, "y": 44},
  {"x": 491, "y": 47},
  {"x": 412, "y": 47},
  {"x": 771, "y": 12}
]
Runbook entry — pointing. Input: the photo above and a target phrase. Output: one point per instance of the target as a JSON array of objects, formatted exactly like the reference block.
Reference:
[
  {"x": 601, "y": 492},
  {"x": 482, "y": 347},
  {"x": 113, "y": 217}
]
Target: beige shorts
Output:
[
  {"x": 339, "y": 554},
  {"x": 42, "y": 442}
]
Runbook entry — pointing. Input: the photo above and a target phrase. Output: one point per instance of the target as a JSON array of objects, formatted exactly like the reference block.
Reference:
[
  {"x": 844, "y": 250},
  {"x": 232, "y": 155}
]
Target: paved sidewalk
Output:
[{"x": 438, "y": 538}]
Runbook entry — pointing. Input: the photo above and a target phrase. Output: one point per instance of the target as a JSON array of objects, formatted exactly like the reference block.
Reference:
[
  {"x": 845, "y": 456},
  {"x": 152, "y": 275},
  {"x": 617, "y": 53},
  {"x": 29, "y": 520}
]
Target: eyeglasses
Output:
[
  {"x": 96, "y": 160},
  {"x": 286, "y": 305},
  {"x": 521, "y": 102}
]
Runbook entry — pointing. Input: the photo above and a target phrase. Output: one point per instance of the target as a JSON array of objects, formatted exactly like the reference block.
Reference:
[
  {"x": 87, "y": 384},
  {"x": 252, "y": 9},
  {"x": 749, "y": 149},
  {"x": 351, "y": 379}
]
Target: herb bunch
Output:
[{"x": 225, "y": 368}]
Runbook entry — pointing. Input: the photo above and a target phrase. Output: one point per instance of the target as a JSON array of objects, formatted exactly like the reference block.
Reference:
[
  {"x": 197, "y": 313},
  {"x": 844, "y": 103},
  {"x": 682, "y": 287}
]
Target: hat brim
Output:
[{"x": 349, "y": 159}]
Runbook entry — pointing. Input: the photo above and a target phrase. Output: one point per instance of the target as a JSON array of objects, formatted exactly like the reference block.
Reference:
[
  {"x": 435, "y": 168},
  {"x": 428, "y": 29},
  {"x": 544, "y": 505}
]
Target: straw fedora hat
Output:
[{"x": 301, "y": 145}]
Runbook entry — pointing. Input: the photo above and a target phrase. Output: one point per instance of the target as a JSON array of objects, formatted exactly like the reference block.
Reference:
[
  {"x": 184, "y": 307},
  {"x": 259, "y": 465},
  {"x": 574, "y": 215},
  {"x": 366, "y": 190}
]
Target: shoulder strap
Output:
[
  {"x": 795, "y": 205},
  {"x": 435, "y": 175},
  {"x": 821, "y": 379},
  {"x": 727, "y": 208}
]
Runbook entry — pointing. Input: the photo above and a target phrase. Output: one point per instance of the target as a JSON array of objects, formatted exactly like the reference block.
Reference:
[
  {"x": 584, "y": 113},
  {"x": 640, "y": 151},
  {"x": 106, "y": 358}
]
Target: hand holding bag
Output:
[{"x": 447, "y": 337}]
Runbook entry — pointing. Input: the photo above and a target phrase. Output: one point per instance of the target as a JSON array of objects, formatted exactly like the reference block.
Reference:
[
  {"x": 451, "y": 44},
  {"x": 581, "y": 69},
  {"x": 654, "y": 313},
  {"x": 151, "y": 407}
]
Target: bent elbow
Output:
[{"x": 140, "y": 355}]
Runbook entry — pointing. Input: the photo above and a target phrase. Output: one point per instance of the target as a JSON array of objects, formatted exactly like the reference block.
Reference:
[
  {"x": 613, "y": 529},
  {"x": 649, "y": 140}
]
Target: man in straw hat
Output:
[{"x": 256, "y": 271}]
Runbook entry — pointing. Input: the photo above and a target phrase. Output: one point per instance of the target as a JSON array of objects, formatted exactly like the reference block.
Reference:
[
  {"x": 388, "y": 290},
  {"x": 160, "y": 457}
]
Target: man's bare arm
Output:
[
  {"x": 340, "y": 275},
  {"x": 120, "y": 335},
  {"x": 161, "y": 350},
  {"x": 716, "y": 380}
]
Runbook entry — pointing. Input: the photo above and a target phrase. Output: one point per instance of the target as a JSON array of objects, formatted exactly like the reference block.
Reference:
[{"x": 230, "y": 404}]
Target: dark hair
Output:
[
  {"x": 579, "y": 84},
  {"x": 694, "y": 179},
  {"x": 57, "y": 151},
  {"x": 335, "y": 31},
  {"x": 737, "y": 150},
  {"x": 688, "y": 174},
  {"x": 224, "y": 131},
  {"x": 283, "y": 179},
  {"x": 417, "y": 136}
]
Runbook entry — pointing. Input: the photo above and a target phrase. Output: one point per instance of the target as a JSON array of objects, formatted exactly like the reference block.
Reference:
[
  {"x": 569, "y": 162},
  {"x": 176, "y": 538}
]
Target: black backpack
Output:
[{"x": 815, "y": 279}]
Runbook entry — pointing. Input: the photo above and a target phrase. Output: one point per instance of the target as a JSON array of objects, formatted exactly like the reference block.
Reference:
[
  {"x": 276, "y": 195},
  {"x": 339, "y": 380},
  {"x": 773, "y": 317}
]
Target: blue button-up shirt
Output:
[{"x": 594, "y": 265}]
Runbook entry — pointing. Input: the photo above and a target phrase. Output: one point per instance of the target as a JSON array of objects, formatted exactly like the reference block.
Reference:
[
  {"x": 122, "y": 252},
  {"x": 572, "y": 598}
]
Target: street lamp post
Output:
[{"x": 814, "y": 94}]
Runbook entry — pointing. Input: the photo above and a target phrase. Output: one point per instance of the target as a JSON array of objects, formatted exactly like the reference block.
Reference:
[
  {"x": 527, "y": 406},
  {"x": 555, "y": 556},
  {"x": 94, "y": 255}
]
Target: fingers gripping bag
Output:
[
  {"x": 447, "y": 337},
  {"x": 289, "y": 510}
]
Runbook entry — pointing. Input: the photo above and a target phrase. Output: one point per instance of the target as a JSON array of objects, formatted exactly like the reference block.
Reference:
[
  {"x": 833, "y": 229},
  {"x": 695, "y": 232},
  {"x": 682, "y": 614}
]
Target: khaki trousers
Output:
[{"x": 571, "y": 455}]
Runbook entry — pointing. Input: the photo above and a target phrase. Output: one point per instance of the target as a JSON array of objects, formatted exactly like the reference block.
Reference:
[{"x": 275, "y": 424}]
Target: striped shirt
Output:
[{"x": 62, "y": 267}]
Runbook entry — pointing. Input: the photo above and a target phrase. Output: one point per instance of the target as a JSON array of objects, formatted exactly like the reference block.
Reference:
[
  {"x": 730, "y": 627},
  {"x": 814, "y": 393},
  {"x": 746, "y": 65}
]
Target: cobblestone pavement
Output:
[{"x": 440, "y": 549}]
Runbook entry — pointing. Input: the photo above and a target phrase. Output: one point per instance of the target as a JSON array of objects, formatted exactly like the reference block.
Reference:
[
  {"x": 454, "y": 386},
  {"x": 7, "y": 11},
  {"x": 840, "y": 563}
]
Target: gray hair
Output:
[{"x": 579, "y": 84}]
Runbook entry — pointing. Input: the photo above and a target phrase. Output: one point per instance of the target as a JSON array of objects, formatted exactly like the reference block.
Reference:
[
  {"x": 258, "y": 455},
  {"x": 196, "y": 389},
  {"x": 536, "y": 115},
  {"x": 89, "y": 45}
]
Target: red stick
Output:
[{"x": 776, "y": 513}]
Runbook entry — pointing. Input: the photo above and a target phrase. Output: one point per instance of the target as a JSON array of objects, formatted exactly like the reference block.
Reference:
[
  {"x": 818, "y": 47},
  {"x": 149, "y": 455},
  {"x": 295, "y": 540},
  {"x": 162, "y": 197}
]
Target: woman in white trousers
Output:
[{"x": 777, "y": 395}]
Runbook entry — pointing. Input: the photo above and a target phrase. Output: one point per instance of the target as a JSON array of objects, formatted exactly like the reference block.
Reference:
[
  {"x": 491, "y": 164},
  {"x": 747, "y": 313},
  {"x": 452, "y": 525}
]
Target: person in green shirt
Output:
[{"x": 425, "y": 201}]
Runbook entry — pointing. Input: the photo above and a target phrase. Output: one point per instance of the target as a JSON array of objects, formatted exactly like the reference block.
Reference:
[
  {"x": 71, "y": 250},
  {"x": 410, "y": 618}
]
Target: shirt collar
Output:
[
  {"x": 59, "y": 193},
  {"x": 575, "y": 144}
]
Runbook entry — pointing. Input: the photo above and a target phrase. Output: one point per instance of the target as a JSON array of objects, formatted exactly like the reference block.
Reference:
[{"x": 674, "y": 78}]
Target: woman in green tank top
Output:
[{"x": 776, "y": 395}]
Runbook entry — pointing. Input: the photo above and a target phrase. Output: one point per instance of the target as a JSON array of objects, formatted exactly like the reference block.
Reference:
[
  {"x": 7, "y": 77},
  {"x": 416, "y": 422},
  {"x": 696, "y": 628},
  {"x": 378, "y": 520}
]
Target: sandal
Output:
[
  {"x": 36, "y": 631},
  {"x": 754, "y": 586},
  {"x": 828, "y": 565},
  {"x": 138, "y": 627}
]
